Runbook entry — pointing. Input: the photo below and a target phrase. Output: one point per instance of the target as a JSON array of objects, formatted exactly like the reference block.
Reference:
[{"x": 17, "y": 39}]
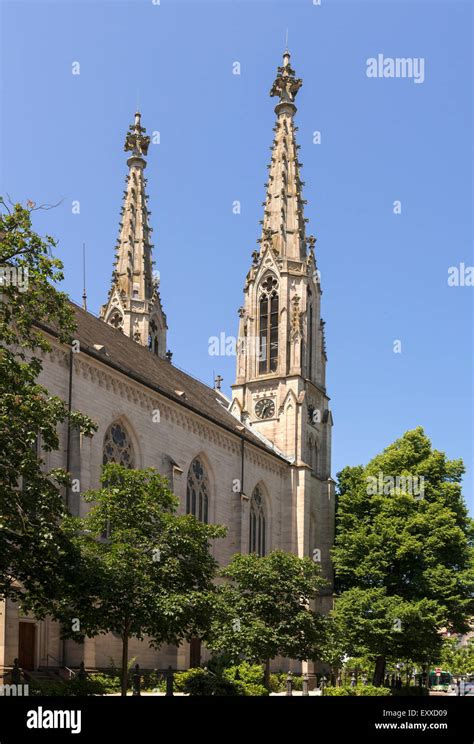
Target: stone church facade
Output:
[{"x": 259, "y": 462}]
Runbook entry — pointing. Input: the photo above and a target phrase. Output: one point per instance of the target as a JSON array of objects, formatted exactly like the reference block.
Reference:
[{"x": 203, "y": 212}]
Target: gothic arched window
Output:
[
  {"x": 268, "y": 325},
  {"x": 257, "y": 524},
  {"x": 197, "y": 491},
  {"x": 118, "y": 446}
]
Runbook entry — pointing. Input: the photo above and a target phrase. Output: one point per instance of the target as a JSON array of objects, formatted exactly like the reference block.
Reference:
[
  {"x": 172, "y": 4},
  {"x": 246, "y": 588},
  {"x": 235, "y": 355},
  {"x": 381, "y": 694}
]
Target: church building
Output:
[{"x": 258, "y": 463}]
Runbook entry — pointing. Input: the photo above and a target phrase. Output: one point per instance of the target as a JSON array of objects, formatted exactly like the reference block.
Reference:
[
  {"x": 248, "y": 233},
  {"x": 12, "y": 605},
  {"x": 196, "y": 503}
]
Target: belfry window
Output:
[
  {"x": 197, "y": 491},
  {"x": 257, "y": 524},
  {"x": 268, "y": 326}
]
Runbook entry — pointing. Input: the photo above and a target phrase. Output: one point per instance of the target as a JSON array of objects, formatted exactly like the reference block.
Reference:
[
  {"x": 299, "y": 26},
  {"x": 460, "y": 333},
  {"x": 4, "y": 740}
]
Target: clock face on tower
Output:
[{"x": 265, "y": 408}]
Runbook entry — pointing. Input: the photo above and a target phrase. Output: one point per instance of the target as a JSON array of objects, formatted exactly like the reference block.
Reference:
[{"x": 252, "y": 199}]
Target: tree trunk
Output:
[
  {"x": 379, "y": 671},
  {"x": 124, "y": 662}
]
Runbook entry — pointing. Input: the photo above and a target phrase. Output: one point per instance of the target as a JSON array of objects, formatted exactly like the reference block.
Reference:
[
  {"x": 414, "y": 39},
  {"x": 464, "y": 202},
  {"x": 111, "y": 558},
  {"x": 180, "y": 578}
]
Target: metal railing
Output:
[{"x": 60, "y": 665}]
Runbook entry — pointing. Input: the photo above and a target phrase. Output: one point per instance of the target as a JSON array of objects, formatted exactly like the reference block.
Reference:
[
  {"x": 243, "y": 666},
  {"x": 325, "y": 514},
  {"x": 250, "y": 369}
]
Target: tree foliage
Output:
[
  {"x": 403, "y": 561},
  {"x": 31, "y": 507},
  {"x": 264, "y": 608},
  {"x": 457, "y": 658},
  {"x": 140, "y": 569}
]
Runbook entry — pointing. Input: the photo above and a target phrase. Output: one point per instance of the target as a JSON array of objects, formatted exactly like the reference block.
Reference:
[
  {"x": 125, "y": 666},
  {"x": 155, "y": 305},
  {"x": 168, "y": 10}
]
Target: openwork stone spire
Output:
[
  {"x": 283, "y": 222},
  {"x": 280, "y": 386},
  {"x": 280, "y": 329},
  {"x": 134, "y": 305}
]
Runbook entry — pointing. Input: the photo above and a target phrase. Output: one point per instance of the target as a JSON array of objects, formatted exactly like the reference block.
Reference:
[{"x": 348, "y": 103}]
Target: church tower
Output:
[
  {"x": 280, "y": 388},
  {"x": 134, "y": 305}
]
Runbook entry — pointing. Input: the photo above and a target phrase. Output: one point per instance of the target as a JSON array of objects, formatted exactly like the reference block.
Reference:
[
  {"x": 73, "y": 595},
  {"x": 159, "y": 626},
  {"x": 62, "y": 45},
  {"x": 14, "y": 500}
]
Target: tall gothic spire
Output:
[
  {"x": 134, "y": 305},
  {"x": 283, "y": 221},
  {"x": 281, "y": 333}
]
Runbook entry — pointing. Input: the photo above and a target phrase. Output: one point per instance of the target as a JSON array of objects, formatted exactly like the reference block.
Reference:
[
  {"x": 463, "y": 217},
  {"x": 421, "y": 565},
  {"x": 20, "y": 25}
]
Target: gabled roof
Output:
[{"x": 112, "y": 348}]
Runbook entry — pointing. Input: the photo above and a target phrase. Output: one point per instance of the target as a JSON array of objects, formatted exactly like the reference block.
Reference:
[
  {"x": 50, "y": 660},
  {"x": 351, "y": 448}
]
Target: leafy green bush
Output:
[
  {"x": 278, "y": 681},
  {"x": 336, "y": 691},
  {"x": 248, "y": 678},
  {"x": 252, "y": 689},
  {"x": 46, "y": 688},
  {"x": 94, "y": 684},
  {"x": 371, "y": 691},
  {"x": 109, "y": 682},
  {"x": 358, "y": 691},
  {"x": 88, "y": 686},
  {"x": 202, "y": 682},
  {"x": 152, "y": 679},
  {"x": 297, "y": 682},
  {"x": 245, "y": 672},
  {"x": 410, "y": 691},
  {"x": 195, "y": 682},
  {"x": 243, "y": 679},
  {"x": 219, "y": 662}
]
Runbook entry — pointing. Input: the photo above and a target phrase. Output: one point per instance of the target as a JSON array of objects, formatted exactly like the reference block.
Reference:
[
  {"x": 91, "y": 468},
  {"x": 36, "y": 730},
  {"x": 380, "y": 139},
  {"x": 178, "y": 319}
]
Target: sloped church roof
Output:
[{"x": 139, "y": 364}]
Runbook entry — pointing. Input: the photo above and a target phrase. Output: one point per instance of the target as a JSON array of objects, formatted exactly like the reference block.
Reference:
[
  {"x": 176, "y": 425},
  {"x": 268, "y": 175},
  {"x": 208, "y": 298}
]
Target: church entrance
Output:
[
  {"x": 194, "y": 653},
  {"x": 26, "y": 645}
]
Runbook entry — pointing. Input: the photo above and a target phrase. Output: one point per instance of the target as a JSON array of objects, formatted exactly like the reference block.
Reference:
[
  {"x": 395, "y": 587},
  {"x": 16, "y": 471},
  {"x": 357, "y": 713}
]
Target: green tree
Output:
[
  {"x": 141, "y": 570},
  {"x": 264, "y": 608},
  {"x": 403, "y": 553},
  {"x": 455, "y": 658},
  {"x": 32, "y": 546}
]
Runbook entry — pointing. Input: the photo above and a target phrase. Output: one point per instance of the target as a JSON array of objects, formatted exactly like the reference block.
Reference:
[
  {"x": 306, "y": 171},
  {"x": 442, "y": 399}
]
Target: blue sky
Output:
[{"x": 384, "y": 276}]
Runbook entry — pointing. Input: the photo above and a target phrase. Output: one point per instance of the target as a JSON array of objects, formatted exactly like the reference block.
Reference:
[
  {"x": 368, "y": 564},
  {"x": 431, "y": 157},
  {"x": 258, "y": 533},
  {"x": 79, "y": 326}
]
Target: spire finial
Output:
[
  {"x": 136, "y": 140},
  {"x": 286, "y": 85},
  {"x": 133, "y": 305}
]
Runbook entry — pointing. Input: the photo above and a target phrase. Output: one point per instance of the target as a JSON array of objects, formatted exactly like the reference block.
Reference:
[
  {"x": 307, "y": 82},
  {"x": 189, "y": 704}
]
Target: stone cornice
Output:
[{"x": 92, "y": 368}]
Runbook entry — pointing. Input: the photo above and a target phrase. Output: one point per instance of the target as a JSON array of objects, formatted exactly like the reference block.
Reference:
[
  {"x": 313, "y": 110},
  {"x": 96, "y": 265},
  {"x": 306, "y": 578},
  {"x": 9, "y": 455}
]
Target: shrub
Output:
[
  {"x": 336, "y": 691},
  {"x": 278, "y": 681},
  {"x": 88, "y": 686},
  {"x": 409, "y": 691},
  {"x": 202, "y": 682},
  {"x": 219, "y": 662},
  {"x": 245, "y": 672},
  {"x": 46, "y": 688},
  {"x": 371, "y": 691},
  {"x": 94, "y": 684},
  {"x": 297, "y": 682},
  {"x": 109, "y": 682},
  {"x": 154, "y": 680},
  {"x": 254, "y": 690},
  {"x": 358, "y": 691},
  {"x": 248, "y": 678},
  {"x": 194, "y": 682},
  {"x": 243, "y": 679}
]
